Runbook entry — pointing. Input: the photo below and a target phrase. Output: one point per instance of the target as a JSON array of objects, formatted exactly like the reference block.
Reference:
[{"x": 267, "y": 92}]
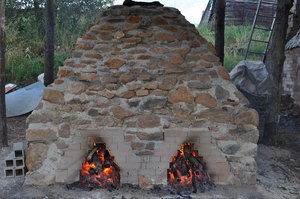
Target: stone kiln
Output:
[{"x": 143, "y": 81}]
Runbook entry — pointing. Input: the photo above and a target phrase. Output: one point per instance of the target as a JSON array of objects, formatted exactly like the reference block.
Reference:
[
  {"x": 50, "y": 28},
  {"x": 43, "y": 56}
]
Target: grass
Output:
[
  {"x": 236, "y": 41},
  {"x": 24, "y": 70}
]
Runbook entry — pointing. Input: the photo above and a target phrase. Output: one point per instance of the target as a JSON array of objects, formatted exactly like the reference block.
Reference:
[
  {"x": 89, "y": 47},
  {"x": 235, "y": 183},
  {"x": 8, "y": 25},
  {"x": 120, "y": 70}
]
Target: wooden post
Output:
[
  {"x": 49, "y": 43},
  {"x": 219, "y": 28},
  {"x": 3, "y": 125},
  {"x": 274, "y": 64}
]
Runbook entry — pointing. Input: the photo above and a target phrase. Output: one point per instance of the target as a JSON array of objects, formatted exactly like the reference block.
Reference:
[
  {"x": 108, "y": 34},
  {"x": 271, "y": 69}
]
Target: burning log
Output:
[
  {"x": 98, "y": 171},
  {"x": 188, "y": 169}
]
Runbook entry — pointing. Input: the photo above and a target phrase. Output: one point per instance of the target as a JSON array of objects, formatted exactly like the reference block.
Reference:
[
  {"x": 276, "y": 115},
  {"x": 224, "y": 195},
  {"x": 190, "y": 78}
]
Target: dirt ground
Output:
[{"x": 278, "y": 177}]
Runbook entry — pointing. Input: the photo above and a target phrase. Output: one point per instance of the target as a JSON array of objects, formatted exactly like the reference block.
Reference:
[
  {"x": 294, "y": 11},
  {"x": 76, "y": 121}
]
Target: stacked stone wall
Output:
[{"x": 144, "y": 81}]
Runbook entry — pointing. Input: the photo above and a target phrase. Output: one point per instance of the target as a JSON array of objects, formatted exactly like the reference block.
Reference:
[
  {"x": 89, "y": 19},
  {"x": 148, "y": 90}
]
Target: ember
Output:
[
  {"x": 188, "y": 170},
  {"x": 98, "y": 171}
]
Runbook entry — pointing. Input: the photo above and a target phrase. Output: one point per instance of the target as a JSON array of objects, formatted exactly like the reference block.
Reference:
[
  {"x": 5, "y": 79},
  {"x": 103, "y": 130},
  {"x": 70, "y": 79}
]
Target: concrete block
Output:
[
  {"x": 73, "y": 175},
  {"x": 9, "y": 160},
  {"x": 61, "y": 175},
  {"x": 19, "y": 172},
  {"x": 18, "y": 149},
  {"x": 9, "y": 173},
  {"x": 19, "y": 162}
]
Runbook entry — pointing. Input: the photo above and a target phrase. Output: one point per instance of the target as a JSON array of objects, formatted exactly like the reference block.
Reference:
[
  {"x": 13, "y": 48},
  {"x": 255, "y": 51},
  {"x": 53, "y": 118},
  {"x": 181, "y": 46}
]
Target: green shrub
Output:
[{"x": 236, "y": 41}]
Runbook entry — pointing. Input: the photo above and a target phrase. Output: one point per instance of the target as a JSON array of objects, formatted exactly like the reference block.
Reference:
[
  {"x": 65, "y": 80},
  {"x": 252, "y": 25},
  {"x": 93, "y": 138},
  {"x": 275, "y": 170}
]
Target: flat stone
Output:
[
  {"x": 153, "y": 103},
  {"x": 93, "y": 112},
  {"x": 41, "y": 135},
  {"x": 199, "y": 85},
  {"x": 151, "y": 136},
  {"x": 127, "y": 94},
  {"x": 64, "y": 130},
  {"x": 221, "y": 93},
  {"x": 64, "y": 72},
  {"x": 145, "y": 183},
  {"x": 151, "y": 85},
  {"x": 35, "y": 156},
  {"x": 228, "y": 147},
  {"x": 217, "y": 115},
  {"x": 137, "y": 145},
  {"x": 89, "y": 78},
  {"x": 206, "y": 100},
  {"x": 53, "y": 96},
  {"x": 181, "y": 95},
  {"x": 77, "y": 88},
  {"x": 148, "y": 121},
  {"x": 115, "y": 63},
  {"x": 223, "y": 73},
  {"x": 248, "y": 117},
  {"x": 142, "y": 92},
  {"x": 120, "y": 112}
]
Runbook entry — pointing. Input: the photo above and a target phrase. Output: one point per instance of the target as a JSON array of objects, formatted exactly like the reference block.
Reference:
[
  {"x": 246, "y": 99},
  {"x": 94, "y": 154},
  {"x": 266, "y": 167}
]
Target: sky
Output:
[{"x": 191, "y": 9}]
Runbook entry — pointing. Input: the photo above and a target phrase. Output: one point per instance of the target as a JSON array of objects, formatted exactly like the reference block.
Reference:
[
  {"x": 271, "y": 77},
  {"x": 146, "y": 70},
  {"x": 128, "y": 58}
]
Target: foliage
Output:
[
  {"x": 236, "y": 41},
  {"x": 25, "y": 27}
]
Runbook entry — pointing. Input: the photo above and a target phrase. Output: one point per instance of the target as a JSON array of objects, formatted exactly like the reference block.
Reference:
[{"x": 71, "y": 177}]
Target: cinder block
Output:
[
  {"x": 19, "y": 162},
  {"x": 61, "y": 175},
  {"x": 9, "y": 160},
  {"x": 19, "y": 172},
  {"x": 18, "y": 149},
  {"x": 9, "y": 173}
]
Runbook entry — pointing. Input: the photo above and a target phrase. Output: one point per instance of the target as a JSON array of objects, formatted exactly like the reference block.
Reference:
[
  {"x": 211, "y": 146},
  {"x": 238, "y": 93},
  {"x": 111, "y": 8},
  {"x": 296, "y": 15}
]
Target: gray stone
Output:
[
  {"x": 153, "y": 103},
  {"x": 221, "y": 93},
  {"x": 228, "y": 147},
  {"x": 93, "y": 112},
  {"x": 199, "y": 85}
]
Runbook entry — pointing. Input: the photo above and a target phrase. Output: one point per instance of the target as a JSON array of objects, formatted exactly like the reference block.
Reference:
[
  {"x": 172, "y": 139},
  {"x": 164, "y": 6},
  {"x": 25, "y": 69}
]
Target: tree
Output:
[
  {"x": 49, "y": 43},
  {"x": 219, "y": 28},
  {"x": 274, "y": 64},
  {"x": 3, "y": 126}
]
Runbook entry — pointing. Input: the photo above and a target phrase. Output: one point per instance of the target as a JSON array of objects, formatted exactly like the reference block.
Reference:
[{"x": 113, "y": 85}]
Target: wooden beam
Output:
[
  {"x": 3, "y": 125},
  {"x": 49, "y": 43}
]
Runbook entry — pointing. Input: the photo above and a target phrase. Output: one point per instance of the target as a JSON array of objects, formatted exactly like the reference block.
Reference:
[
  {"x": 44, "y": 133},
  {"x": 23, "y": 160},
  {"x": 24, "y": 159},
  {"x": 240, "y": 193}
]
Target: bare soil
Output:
[{"x": 278, "y": 177}]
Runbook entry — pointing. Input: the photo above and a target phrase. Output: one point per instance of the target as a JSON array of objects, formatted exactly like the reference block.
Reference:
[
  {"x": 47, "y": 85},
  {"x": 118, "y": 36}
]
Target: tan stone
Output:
[
  {"x": 151, "y": 136},
  {"x": 107, "y": 95},
  {"x": 159, "y": 21},
  {"x": 159, "y": 50},
  {"x": 88, "y": 78},
  {"x": 164, "y": 37},
  {"x": 88, "y": 61},
  {"x": 126, "y": 78},
  {"x": 217, "y": 115},
  {"x": 133, "y": 86},
  {"x": 137, "y": 145},
  {"x": 206, "y": 99},
  {"x": 129, "y": 138},
  {"x": 131, "y": 40},
  {"x": 133, "y": 19},
  {"x": 170, "y": 28},
  {"x": 53, "y": 96},
  {"x": 89, "y": 71},
  {"x": 145, "y": 34},
  {"x": 148, "y": 121},
  {"x": 58, "y": 81},
  {"x": 96, "y": 56},
  {"x": 151, "y": 85},
  {"x": 84, "y": 46},
  {"x": 182, "y": 94},
  {"x": 145, "y": 183},
  {"x": 145, "y": 77},
  {"x": 176, "y": 60},
  {"x": 174, "y": 71},
  {"x": 89, "y": 37},
  {"x": 115, "y": 63},
  {"x": 107, "y": 27},
  {"x": 127, "y": 94},
  {"x": 247, "y": 117},
  {"x": 64, "y": 72},
  {"x": 142, "y": 92},
  {"x": 64, "y": 130},
  {"x": 109, "y": 79},
  {"x": 182, "y": 51},
  {"x": 119, "y": 35},
  {"x": 76, "y": 88},
  {"x": 106, "y": 37},
  {"x": 144, "y": 57},
  {"x": 35, "y": 156},
  {"x": 223, "y": 73},
  {"x": 41, "y": 135},
  {"x": 96, "y": 88},
  {"x": 120, "y": 112}
]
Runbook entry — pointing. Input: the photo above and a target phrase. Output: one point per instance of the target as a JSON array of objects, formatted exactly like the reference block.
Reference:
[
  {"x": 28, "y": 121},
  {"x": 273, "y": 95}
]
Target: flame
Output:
[
  {"x": 186, "y": 168},
  {"x": 99, "y": 175}
]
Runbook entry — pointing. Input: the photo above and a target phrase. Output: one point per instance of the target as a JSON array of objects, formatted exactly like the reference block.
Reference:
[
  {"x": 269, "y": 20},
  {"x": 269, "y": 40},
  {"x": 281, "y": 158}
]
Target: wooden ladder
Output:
[{"x": 255, "y": 26}]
